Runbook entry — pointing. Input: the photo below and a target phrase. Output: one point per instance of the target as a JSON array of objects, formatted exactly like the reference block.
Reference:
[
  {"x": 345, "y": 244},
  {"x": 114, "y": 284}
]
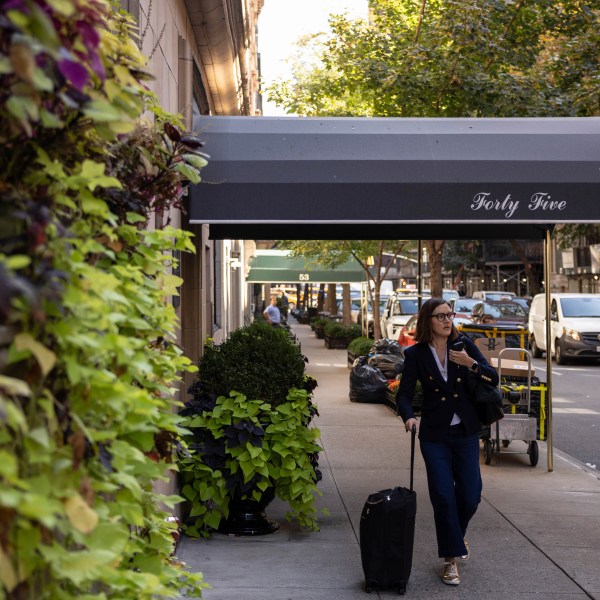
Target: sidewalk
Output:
[{"x": 536, "y": 534}]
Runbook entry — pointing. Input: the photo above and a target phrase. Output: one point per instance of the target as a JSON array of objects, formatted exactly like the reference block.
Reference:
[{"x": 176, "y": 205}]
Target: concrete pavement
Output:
[{"x": 536, "y": 534}]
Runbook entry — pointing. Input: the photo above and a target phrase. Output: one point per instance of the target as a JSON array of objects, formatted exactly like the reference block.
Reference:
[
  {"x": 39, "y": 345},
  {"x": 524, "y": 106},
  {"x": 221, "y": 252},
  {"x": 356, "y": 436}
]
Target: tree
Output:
[
  {"x": 460, "y": 58},
  {"x": 368, "y": 253}
]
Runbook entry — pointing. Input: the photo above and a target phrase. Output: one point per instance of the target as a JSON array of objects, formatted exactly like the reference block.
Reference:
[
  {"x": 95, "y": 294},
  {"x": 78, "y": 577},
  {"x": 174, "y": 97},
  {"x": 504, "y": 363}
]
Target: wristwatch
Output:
[{"x": 474, "y": 366}]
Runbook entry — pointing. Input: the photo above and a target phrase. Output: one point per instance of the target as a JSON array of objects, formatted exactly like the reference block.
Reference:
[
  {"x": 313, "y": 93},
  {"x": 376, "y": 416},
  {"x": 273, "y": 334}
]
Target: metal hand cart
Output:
[{"x": 514, "y": 425}]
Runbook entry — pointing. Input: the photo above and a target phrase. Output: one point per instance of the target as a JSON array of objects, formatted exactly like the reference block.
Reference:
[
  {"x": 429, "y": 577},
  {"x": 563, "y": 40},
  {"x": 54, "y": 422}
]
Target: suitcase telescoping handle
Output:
[{"x": 413, "y": 435}]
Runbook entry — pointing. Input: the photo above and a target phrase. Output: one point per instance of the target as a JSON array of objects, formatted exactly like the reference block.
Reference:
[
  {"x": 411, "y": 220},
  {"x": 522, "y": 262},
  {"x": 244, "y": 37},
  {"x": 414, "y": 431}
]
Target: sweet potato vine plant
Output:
[{"x": 88, "y": 363}]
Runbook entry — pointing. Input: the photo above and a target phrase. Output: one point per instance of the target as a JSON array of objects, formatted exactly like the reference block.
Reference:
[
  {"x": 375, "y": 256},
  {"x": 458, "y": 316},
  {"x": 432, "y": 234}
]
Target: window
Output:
[{"x": 579, "y": 307}]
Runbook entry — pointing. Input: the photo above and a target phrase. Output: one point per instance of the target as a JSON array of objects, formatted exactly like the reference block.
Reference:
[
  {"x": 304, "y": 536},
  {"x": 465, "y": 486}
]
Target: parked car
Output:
[
  {"x": 407, "y": 332},
  {"x": 463, "y": 307},
  {"x": 575, "y": 326},
  {"x": 494, "y": 295},
  {"x": 523, "y": 301},
  {"x": 504, "y": 312},
  {"x": 399, "y": 309},
  {"x": 447, "y": 294}
]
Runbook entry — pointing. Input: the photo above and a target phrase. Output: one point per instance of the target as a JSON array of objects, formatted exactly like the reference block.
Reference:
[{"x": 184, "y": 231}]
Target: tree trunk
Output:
[
  {"x": 332, "y": 299},
  {"x": 321, "y": 297},
  {"x": 434, "y": 248},
  {"x": 346, "y": 305},
  {"x": 534, "y": 286}
]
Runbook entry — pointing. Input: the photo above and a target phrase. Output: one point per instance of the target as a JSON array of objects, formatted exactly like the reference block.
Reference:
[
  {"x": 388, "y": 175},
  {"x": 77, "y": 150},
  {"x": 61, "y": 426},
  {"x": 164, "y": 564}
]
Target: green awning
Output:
[{"x": 276, "y": 266}]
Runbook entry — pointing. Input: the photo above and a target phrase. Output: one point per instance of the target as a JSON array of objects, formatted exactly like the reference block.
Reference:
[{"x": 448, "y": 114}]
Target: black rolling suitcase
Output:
[{"x": 387, "y": 532}]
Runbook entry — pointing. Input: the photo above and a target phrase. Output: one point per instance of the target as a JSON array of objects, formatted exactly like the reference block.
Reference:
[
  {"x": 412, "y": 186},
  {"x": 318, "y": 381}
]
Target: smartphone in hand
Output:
[{"x": 458, "y": 346}]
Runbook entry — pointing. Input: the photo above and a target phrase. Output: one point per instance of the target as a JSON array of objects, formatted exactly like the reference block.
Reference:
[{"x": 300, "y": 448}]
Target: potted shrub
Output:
[
  {"x": 337, "y": 336},
  {"x": 359, "y": 346},
  {"x": 251, "y": 439},
  {"x": 318, "y": 324}
]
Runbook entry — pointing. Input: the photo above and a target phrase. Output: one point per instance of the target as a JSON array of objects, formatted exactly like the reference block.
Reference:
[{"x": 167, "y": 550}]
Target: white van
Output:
[
  {"x": 494, "y": 295},
  {"x": 575, "y": 326}
]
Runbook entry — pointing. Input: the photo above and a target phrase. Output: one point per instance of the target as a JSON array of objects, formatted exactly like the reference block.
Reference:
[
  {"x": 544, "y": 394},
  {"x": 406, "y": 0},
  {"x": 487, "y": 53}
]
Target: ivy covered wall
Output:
[{"x": 88, "y": 356}]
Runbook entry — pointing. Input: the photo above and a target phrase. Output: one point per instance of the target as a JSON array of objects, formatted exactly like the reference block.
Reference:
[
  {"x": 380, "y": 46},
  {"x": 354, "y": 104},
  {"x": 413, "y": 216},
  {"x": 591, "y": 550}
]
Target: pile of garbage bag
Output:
[{"x": 370, "y": 374}]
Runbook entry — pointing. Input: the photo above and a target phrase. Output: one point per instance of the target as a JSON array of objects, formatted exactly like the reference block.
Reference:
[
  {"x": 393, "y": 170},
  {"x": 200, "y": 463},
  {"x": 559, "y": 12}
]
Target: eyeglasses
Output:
[{"x": 445, "y": 316}]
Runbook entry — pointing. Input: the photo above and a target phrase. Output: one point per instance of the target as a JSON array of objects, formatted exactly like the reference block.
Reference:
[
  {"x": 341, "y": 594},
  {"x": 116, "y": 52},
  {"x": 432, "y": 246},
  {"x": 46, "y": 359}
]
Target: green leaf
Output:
[
  {"x": 14, "y": 387},
  {"x": 8, "y": 465},
  {"x": 188, "y": 172},
  {"x": 40, "y": 436},
  {"x": 64, "y": 7},
  {"x": 195, "y": 161},
  {"x": 81, "y": 516},
  {"x": 17, "y": 261},
  {"x": 45, "y": 357},
  {"x": 93, "y": 206},
  {"x": 111, "y": 537},
  {"x": 102, "y": 111},
  {"x": 84, "y": 565}
]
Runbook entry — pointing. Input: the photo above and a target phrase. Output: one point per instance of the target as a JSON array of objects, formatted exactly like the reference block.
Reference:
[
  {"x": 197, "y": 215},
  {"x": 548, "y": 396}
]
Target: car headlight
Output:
[{"x": 573, "y": 334}]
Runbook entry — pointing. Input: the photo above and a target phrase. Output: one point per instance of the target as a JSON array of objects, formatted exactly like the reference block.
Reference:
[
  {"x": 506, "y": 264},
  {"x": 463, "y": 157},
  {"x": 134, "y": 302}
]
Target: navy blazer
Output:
[{"x": 441, "y": 399}]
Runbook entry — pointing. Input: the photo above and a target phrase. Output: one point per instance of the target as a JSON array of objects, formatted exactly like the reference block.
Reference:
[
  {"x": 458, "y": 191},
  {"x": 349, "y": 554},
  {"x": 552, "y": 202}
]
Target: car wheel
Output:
[
  {"x": 535, "y": 351},
  {"x": 559, "y": 355}
]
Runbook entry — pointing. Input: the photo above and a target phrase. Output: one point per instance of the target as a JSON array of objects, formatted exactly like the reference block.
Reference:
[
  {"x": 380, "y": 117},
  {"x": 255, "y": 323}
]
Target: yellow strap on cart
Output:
[{"x": 542, "y": 389}]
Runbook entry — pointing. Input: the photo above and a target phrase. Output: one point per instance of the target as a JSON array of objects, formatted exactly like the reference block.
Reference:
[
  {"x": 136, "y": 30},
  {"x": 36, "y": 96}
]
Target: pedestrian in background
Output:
[
  {"x": 283, "y": 305},
  {"x": 272, "y": 314},
  {"x": 449, "y": 428}
]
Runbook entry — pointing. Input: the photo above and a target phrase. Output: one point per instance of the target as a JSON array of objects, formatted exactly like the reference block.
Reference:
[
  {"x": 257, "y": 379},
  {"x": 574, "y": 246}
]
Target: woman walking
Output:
[{"x": 449, "y": 427}]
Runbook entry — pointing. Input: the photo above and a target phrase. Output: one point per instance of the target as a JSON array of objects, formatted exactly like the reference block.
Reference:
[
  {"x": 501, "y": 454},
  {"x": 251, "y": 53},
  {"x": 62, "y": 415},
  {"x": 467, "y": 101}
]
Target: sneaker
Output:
[
  {"x": 450, "y": 574},
  {"x": 466, "y": 556}
]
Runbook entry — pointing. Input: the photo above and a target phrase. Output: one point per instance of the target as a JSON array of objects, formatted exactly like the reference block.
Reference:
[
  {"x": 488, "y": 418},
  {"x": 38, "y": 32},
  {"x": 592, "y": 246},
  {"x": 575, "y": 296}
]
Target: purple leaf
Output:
[{"x": 74, "y": 72}]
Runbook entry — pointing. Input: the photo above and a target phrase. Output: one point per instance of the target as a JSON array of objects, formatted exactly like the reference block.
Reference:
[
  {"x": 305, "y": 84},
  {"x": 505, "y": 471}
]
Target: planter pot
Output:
[
  {"x": 351, "y": 359},
  {"x": 336, "y": 343},
  {"x": 319, "y": 333},
  {"x": 248, "y": 517}
]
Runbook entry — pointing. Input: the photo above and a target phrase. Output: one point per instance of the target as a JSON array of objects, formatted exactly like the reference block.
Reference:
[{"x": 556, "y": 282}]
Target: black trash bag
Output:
[
  {"x": 387, "y": 346},
  {"x": 388, "y": 356},
  {"x": 367, "y": 383},
  {"x": 389, "y": 364}
]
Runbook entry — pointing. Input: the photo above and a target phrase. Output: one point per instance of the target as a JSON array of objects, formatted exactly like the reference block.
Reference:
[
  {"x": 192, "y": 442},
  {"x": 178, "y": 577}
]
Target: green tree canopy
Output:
[
  {"x": 368, "y": 253},
  {"x": 458, "y": 58}
]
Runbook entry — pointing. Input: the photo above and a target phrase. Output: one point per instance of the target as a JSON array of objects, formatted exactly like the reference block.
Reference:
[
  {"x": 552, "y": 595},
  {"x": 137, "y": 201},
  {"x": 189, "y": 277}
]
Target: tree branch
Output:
[
  {"x": 491, "y": 59},
  {"x": 421, "y": 17}
]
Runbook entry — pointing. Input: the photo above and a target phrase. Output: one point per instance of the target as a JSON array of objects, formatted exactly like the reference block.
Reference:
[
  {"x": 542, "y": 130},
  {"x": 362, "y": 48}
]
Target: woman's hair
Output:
[{"x": 424, "y": 329}]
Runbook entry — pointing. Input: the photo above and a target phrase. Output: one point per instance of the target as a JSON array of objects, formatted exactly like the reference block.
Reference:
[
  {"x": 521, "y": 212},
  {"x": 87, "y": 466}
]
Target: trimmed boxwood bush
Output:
[
  {"x": 334, "y": 329},
  {"x": 360, "y": 346},
  {"x": 259, "y": 361}
]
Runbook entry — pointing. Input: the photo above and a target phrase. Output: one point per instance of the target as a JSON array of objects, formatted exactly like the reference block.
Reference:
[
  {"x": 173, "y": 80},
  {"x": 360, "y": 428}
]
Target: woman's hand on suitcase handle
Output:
[{"x": 410, "y": 423}]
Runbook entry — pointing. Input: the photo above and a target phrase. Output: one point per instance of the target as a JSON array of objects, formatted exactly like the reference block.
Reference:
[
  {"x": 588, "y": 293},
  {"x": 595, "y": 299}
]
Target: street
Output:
[{"x": 576, "y": 408}]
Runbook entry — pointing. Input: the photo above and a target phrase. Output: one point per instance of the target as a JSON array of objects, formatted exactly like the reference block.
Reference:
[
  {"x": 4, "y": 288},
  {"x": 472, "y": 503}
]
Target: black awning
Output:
[{"x": 342, "y": 178}]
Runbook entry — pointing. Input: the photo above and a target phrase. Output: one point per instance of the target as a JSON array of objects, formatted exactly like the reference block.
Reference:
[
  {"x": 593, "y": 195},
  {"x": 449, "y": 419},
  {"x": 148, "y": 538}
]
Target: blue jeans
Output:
[{"x": 454, "y": 482}]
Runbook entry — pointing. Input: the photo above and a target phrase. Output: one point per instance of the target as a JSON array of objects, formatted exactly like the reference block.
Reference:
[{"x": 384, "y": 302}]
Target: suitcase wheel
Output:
[
  {"x": 369, "y": 587},
  {"x": 401, "y": 589}
]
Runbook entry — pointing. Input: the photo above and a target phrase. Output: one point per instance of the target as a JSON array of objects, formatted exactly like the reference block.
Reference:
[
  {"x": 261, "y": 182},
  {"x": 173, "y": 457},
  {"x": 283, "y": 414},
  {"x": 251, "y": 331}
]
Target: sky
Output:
[{"x": 282, "y": 22}]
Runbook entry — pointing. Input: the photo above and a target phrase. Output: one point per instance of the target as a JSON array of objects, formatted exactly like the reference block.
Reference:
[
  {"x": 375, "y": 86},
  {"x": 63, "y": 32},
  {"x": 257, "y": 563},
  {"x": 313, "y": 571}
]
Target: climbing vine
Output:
[{"x": 88, "y": 357}]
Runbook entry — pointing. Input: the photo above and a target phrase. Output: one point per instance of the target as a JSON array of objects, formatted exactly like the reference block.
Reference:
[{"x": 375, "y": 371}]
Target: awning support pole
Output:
[{"x": 548, "y": 351}]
